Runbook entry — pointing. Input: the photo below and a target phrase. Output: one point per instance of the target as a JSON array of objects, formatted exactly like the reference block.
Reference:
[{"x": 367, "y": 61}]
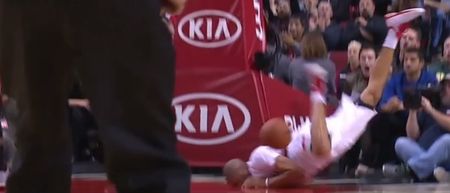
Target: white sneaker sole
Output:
[{"x": 398, "y": 18}]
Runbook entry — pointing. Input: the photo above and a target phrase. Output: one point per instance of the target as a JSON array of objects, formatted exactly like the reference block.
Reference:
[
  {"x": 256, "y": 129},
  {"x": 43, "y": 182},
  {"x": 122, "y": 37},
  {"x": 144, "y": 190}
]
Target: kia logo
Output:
[
  {"x": 209, "y": 28},
  {"x": 219, "y": 117}
]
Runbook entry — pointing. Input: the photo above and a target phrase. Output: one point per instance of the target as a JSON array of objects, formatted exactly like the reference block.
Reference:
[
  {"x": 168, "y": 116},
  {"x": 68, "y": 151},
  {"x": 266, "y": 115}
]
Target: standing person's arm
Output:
[{"x": 173, "y": 6}]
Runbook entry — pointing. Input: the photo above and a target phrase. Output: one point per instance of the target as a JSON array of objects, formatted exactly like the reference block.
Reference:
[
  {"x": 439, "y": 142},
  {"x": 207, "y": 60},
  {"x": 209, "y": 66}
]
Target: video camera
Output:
[{"x": 413, "y": 97}]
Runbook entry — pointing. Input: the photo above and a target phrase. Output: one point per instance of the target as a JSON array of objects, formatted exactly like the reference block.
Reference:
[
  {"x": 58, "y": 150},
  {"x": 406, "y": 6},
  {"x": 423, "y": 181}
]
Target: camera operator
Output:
[
  {"x": 389, "y": 124},
  {"x": 427, "y": 144}
]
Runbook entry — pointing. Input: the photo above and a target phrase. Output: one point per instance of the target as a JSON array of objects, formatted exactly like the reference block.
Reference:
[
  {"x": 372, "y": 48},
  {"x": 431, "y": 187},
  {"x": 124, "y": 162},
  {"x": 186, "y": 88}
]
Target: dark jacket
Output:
[
  {"x": 332, "y": 36},
  {"x": 376, "y": 26}
]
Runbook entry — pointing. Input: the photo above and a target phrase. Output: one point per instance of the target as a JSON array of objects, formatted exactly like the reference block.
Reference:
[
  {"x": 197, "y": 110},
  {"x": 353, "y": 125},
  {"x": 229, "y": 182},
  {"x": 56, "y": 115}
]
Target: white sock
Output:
[
  {"x": 391, "y": 39},
  {"x": 318, "y": 97}
]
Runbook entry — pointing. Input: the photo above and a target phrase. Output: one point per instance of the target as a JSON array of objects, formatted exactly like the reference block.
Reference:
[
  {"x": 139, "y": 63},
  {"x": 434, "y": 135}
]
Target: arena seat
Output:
[{"x": 340, "y": 60}]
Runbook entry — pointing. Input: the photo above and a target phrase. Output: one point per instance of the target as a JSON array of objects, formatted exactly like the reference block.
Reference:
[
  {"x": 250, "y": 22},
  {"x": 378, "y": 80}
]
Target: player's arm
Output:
[
  {"x": 283, "y": 164},
  {"x": 320, "y": 138},
  {"x": 290, "y": 174}
]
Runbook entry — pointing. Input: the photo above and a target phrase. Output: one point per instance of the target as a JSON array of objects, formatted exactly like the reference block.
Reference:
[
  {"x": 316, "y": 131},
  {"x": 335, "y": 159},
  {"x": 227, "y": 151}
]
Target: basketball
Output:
[{"x": 275, "y": 133}]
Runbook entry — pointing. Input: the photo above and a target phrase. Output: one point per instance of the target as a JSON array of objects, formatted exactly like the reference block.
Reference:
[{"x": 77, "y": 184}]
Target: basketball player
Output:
[
  {"x": 124, "y": 54},
  {"x": 321, "y": 140}
]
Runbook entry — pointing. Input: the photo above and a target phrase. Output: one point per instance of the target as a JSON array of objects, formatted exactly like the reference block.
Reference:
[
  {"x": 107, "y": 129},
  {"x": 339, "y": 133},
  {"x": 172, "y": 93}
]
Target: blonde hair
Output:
[{"x": 313, "y": 46}]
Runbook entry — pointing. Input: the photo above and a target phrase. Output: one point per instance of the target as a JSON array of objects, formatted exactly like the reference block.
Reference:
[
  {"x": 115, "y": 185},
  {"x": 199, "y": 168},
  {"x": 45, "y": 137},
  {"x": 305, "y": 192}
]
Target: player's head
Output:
[{"x": 235, "y": 172}]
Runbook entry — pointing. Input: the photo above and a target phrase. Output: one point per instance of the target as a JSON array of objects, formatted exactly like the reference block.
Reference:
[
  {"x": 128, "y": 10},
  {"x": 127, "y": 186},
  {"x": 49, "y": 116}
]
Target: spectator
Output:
[
  {"x": 293, "y": 37},
  {"x": 412, "y": 76},
  {"x": 359, "y": 79},
  {"x": 389, "y": 124},
  {"x": 441, "y": 68},
  {"x": 325, "y": 10},
  {"x": 367, "y": 27},
  {"x": 382, "y": 6},
  {"x": 283, "y": 13},
  {"x": 331, "y": 30},
  {"x": 313, "y": 51},
  {"x": 281, "y": 68},
  {"x": 428, "y": 143},
  {"x": 343, "y": 9},
  {"x": 299, "y": 8},
  {"x": 440, "y": 19},
  {"x": 354, "y": 47},
  {"x": 313, "y": 19},
  {"x": 311, "y": 5},
  {"x": 270, "y": 9},
  {"x": 411, "y": 38}
]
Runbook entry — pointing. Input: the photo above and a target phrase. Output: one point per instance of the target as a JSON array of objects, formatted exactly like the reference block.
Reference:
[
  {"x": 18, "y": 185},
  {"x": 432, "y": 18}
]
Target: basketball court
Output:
[{"x": 96, "y": 183}]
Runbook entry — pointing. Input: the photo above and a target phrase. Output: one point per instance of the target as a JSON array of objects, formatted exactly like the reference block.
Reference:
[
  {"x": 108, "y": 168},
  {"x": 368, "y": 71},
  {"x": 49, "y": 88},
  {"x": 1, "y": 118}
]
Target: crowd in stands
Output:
[{"x": 401, "y": 140}]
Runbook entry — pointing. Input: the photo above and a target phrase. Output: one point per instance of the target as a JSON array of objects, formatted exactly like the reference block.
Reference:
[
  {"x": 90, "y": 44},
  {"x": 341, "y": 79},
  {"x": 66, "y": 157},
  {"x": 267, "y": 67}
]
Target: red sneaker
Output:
[
  {"x": 396, "y": 19},
  {"x": 399, "y": 21}
]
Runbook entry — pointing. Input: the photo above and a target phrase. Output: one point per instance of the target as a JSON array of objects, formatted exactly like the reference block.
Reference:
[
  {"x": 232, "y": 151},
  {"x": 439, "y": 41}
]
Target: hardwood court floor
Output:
[{"x": 96, "y": 183}]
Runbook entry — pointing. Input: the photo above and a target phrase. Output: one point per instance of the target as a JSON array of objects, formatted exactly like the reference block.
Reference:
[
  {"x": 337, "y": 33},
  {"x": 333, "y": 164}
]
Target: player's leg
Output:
[
  {"x": 320, "y": 138},
  {"x": 380, "y": 72},
  {"x": 132, "y": 98},
  {"x": 35, "y": 71}
]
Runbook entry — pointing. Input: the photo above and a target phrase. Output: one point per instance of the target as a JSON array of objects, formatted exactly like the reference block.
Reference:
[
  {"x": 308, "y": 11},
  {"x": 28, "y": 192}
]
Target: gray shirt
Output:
[{"x": 299, "y": 78}]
